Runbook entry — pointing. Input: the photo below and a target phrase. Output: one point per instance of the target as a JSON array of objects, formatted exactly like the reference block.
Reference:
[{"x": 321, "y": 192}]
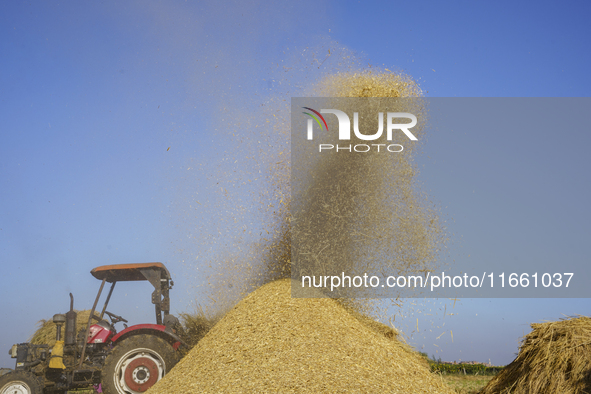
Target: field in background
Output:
[
  {"x": 463, "y": 378},
  {"x": 466, "y": 384}
]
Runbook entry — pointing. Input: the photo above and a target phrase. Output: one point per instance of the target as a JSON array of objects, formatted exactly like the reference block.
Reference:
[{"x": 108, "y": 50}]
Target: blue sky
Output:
[{"x": 110, "y": 138}]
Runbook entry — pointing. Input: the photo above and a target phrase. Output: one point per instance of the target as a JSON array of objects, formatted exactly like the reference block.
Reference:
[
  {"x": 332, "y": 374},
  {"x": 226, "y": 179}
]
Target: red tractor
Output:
[{"x": 126, "y": 362}]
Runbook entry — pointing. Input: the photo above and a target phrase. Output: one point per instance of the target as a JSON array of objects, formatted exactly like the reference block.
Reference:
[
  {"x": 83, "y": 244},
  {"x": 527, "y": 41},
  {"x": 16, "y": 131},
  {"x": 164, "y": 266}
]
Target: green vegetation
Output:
[
  {"x": 466, "y": 384},
  {"x": 460, "y": 368},
  {"x": 465, "y": 369}
]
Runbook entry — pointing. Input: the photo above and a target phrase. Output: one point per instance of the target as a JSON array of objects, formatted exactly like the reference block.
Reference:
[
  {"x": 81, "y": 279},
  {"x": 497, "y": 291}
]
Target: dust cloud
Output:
[{"x": 231, "y": 204}]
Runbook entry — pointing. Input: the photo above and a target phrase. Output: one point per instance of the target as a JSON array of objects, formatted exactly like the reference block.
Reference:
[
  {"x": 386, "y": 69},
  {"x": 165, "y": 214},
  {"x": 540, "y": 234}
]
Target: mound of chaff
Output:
[
  {"x": 554, "y": 358},
  {"x": 270, "y": 342}
]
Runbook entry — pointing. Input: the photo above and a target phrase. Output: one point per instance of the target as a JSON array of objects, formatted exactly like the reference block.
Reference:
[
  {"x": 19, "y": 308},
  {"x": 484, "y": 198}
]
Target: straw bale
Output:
[
  {"x": 45, "y": 334},
  {"x": 270, "y": 342},
  {"x": 554, "y": 358}
]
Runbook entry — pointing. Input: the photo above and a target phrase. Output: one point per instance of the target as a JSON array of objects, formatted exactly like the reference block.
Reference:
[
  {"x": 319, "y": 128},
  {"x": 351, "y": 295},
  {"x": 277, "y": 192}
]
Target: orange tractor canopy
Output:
[{"x": 155, "y": 273}]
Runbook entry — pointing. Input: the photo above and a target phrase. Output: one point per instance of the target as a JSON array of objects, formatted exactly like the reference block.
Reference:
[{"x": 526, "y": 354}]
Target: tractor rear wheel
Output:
[
  {"x": 136, "y": 364},
  {"x": 20, "y": 382}
]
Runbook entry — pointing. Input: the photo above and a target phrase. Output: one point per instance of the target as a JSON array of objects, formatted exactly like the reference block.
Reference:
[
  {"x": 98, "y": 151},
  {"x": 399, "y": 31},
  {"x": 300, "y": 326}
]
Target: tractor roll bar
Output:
[{"x": 90, "y": 321}]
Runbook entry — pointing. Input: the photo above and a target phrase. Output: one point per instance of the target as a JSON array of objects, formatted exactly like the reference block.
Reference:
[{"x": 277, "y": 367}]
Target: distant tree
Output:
[{"x": 425, "y": 355}]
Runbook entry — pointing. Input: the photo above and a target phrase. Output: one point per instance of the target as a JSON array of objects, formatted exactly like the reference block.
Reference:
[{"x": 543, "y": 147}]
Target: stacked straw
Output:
[
  {"x": 554, "y": 358},
  {"x": 270, "y": 342}
]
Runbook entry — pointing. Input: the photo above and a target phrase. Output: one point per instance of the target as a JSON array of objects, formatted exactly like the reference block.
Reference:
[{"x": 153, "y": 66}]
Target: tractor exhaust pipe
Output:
[{"x": 71, "y": 317}]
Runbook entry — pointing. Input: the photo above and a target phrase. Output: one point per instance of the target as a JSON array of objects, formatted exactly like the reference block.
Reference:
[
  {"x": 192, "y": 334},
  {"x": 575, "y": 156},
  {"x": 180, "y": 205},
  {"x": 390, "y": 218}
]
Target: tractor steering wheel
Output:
[{"x": 115, "y": 318}]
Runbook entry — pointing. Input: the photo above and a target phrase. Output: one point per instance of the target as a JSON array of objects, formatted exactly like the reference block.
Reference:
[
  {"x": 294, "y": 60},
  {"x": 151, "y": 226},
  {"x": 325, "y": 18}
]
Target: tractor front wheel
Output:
[
  {"x": 19, "y": 382},
  {"x": 136, "y": 364}
]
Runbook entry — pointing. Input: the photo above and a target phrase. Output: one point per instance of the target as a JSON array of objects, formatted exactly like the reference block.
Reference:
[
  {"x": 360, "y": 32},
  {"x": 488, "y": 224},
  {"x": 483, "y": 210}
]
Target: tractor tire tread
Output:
[
  {"x": 149, "y": 341},
  {"x": 30, "y": 379}
]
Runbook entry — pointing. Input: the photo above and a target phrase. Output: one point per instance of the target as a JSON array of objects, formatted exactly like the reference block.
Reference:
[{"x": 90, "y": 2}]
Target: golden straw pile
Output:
[
  {"x": 554, "y": 358},
  {"x": 270, "y": 342}
]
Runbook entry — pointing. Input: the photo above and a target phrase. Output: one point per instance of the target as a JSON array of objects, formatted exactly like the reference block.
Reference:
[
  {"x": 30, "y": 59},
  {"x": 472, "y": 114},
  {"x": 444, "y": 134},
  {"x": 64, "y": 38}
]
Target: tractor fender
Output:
[{"x": 154, "y": 329}]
